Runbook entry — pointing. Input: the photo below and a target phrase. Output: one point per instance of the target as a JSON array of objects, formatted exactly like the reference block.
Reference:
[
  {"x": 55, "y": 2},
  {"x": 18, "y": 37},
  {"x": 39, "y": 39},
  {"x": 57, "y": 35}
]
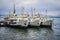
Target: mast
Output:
[
  {"x": 14, "y": 12},
  {"x": 14, "y": 9},
  {"x": 31, "y": 12},
  {"x": 34, "y": 11},
  {"x": 9, "y": 14},
  {"x": 46, "y": 14},
  {"x": 22, "y": 10}
]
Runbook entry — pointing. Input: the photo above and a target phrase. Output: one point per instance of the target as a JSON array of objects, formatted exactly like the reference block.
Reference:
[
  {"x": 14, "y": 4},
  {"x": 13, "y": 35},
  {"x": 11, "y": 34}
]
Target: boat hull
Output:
[
  {"x": 47, "y": 24},
  {"x": 35, "y": 23},
  {"x": 23, "y": 23}
]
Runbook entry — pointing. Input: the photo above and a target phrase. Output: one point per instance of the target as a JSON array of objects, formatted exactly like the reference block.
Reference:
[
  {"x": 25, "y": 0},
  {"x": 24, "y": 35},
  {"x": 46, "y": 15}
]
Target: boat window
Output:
[
  {"x": 13, "y": 22},
  {"x": 13, "y": 19}
]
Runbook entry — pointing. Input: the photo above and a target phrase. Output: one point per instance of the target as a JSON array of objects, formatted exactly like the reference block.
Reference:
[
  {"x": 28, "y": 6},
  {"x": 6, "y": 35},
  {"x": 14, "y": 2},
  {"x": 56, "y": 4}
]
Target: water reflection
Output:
[{"x": 25, "y": 34}]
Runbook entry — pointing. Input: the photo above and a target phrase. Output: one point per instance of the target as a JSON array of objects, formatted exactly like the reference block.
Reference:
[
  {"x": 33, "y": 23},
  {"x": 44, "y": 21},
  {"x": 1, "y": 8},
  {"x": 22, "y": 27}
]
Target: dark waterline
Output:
[{"x": 9, "y": 33}]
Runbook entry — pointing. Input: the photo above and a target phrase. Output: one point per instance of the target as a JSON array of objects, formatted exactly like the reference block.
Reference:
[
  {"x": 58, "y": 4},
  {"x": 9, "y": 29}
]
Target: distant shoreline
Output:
[{"x": 48, "y": 17}]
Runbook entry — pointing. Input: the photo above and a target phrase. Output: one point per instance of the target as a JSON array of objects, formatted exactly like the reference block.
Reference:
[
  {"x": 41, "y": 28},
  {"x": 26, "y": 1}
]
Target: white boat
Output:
[
  {"x": 46, "y": 21},
  {"x": 14, "y": 20},
  {"x": 23, "y": 21},
  {"x": 9, "y": 19},
  {"x": 35, "y": 20},
  {"x": 20, "y": 21}
]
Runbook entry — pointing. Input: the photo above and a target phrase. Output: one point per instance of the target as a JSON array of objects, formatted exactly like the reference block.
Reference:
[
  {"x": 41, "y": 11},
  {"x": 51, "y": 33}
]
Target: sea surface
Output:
[{"x": 10, "y": 33}]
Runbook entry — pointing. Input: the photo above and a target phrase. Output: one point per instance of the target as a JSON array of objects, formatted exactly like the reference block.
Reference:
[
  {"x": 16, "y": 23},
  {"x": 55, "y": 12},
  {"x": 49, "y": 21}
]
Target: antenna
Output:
[
  {"x": 14, "y": 9},
  {"x": 31, "y": 12},
  {"x": 46, "y": 14},
  {"x": 14, "y": 12},
  {"x": 34, "y": 11},
  {"x": 22, "y": 10},
  {"x": 9, "y": 13}
]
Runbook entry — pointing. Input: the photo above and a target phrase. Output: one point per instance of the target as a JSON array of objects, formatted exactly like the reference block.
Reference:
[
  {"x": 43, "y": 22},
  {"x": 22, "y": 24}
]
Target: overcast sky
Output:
[{"x": 52, "y": 6}]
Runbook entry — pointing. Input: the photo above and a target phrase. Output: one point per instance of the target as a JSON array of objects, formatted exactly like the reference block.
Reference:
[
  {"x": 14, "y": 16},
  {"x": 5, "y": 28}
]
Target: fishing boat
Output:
[
  {"x": 20, "y": 21},
  {"x": 35, "y": 20},
  {"x": 15, "y": 20},
  {"x": 46, "y": 22},
  {"x": 23, "y": 21},
  {"x": 9, "y": 19}
]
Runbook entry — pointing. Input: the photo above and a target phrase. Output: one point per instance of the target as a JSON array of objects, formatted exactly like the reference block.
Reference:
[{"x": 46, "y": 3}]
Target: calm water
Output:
[{"x": 9, "y": 33}]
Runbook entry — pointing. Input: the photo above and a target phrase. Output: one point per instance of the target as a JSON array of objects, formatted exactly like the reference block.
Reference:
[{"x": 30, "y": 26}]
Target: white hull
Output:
[
  {"x": 20, "y": 22},
  {"x": 23, "y": 23},
  {"x": 47, "y": 23},
  {"x": 34, "y": 22}
]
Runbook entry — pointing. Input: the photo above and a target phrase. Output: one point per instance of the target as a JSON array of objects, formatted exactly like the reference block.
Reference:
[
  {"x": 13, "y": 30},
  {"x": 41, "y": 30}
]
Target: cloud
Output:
[
  {"x": 53, "y": 6},
  {"x": 27, "y": 3},
  {"x": 54, "y": 13},
  {"x": 51, "y": 13},
  {"x": 31, "y": 3}
]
